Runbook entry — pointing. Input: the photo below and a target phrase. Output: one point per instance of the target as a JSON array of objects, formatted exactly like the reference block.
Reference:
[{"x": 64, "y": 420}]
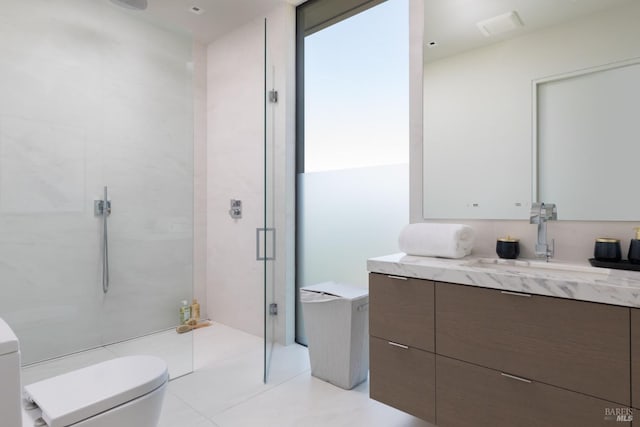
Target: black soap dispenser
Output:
[{"x": 634, "y": 248}]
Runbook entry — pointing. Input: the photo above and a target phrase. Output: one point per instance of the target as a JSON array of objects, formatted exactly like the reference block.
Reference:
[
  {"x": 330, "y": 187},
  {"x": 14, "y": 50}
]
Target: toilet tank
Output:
[{"x": 10, "y": 395}]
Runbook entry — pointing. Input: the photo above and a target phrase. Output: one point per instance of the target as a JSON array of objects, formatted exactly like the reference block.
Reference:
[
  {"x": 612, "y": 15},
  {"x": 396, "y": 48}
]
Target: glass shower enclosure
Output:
[
  {"x": 93, "y": 96},
  {"x": 266, "y": 235}
]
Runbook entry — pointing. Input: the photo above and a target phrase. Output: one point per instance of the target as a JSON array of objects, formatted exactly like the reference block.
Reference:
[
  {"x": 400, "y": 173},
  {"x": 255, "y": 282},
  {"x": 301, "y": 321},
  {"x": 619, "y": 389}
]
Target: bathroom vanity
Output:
[{"x": 488, "y": 342}]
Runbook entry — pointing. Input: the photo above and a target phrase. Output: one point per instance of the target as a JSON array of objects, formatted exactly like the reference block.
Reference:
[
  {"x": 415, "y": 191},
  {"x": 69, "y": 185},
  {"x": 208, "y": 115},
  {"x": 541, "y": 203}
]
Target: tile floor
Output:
[{"x": 226, "y": 388}]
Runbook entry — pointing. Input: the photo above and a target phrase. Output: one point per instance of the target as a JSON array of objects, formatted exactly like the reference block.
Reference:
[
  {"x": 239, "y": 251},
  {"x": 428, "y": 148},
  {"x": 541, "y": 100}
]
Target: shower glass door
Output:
[
  {"x": 93, "y": 96},
  {"x": 268, "y": 242}
]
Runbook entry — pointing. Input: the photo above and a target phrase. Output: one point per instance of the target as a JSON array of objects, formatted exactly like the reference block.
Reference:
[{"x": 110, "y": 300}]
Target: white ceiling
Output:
[
  {"x": 219, "y": 17},
  {"x": 452, "y": 23}
]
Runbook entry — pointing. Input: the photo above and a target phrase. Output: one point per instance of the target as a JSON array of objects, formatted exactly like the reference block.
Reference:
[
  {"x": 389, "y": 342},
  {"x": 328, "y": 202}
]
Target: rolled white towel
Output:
[{"x": 440, "y": 240}]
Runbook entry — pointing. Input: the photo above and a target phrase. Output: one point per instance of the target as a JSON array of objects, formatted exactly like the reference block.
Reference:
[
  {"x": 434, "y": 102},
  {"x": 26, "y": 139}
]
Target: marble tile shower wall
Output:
[{"x": 92, "y": 96}]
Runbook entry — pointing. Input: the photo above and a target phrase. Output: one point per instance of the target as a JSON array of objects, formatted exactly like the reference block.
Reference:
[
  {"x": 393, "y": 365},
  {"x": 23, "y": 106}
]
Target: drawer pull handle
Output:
[
  {"x": 517, "y": 294},
  {"x": 513, "y": 377},
  {"x": 397, "y": 277},
  {"x": 395, "y": 344}
]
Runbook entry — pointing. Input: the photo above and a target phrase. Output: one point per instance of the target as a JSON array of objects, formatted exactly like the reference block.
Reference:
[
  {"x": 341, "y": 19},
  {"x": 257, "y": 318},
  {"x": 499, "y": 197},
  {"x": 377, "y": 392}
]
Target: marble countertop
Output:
[{"x": 572, "y": 281}]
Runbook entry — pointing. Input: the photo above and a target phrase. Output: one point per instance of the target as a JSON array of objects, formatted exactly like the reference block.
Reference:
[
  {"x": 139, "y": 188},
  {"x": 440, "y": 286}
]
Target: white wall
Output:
[
  {"x": 200, "y": 176},
  {"x": 235, "y": 138},
  {"x": 574, "y": 239},
  {"x": 91, "y": 96},
  {"x": 234, "y": 171}
]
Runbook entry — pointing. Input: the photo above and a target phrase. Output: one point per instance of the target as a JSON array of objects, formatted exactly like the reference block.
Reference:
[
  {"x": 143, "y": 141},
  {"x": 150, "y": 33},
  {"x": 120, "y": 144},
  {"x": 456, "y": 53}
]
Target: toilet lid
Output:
[
  {"x": 8, "y": 340},
  {"x": 81, "y": 394}
]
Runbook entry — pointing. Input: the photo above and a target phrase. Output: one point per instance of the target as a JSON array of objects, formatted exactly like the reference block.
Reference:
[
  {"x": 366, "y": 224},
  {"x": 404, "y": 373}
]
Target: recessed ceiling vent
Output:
[
  {"x": 197, "y": 10},
  {"x": 500, "y": 24}
]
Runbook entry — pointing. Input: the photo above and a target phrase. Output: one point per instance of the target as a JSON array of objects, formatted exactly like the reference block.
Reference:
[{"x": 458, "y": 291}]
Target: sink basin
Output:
[{"x": 538, "y": 267}]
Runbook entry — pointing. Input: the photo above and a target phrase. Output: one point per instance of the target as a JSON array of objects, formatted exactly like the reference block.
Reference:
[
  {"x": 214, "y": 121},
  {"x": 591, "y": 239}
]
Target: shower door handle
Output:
[{"x": 264, "y": 236}]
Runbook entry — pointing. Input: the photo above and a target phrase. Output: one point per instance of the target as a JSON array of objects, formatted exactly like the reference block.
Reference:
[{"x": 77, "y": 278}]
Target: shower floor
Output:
[{"x": 175, "y": 349}]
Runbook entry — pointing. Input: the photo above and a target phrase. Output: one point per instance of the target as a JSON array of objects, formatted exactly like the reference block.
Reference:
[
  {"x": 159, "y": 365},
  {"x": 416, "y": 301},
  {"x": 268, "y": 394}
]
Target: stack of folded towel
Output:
[{"x": 439, "y": 240}]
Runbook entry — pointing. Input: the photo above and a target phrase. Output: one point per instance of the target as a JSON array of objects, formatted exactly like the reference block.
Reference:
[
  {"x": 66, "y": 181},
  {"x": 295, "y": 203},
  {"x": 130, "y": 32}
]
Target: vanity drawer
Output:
[
  {"x": 470, "y": 395},
  {"x": 571, "y": 344},
  {"x": 635, "y": 357},
  {"x": 403, "y": 378},
  {"x": 401, "y": 310}
]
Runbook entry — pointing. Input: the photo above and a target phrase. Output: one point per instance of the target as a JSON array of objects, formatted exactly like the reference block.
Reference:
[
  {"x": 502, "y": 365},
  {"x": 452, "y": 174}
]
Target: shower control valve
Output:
[{"x": 236, "y": 209}]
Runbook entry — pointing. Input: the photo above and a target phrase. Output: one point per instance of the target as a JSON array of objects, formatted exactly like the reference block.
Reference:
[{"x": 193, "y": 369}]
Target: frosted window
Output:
[{"x": 353, "y": 197}]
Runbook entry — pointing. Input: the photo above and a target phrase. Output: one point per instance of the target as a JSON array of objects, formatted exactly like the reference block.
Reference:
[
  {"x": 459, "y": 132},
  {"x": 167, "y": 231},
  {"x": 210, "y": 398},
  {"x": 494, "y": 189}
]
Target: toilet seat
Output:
[
  {"x": 8, "y": 340},
  {"x": 70, "y": 398}
]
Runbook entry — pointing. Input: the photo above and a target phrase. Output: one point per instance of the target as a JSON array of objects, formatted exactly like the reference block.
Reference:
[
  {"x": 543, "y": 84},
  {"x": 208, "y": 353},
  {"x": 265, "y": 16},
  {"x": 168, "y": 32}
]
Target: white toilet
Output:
[{"x": 123, "y": 392}]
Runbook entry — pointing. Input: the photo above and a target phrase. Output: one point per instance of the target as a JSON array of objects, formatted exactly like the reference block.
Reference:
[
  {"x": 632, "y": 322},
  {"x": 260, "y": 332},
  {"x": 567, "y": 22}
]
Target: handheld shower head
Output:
[{"x": 131, "y": 4}]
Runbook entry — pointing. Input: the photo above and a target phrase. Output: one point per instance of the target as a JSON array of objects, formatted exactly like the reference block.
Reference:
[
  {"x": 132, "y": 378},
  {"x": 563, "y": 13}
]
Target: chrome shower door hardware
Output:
[
  {"x": 273, "y": 309},
  {"x": 265, "y": 244}
]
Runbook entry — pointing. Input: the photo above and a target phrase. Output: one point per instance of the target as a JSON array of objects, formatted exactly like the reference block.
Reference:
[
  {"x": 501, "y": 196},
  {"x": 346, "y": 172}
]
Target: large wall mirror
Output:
[{"x": 529, "y": 100}]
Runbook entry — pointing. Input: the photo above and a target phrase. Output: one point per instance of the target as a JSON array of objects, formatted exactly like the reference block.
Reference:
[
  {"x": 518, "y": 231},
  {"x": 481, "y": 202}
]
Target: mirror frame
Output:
[{"x": 416, "y": 37}]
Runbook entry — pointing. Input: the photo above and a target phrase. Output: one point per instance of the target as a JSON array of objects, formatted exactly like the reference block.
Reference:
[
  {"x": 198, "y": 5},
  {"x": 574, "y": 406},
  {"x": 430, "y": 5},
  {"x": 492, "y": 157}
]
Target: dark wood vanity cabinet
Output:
[
  {"x": 635, "y": 361},
  {"x": 404, "y": 378},
  {"x": 473, "y": 396},
  {"x": 496, "y": 358},
  {"x": 402, "y": 334},
  {"x": 576, "y": 345},
  {"x": 404, "y": 310}
]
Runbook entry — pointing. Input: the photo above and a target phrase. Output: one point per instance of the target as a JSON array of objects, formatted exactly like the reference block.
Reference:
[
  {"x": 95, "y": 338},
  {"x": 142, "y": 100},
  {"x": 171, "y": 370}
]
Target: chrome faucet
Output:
[{"x": 540, "y": 214}]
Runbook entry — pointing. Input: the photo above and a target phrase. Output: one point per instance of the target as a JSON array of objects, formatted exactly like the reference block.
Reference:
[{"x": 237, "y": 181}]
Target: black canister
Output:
[
  {"x": 634, "y": 251},
  {"x": 634, "y": 248},
  {"x": 607, "y": 249},
  {"x": 508, "y": 247}
]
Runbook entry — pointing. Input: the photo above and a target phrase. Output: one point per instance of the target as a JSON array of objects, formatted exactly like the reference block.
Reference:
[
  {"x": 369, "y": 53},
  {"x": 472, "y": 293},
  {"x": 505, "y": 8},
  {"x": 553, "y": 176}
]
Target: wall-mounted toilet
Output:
[{"x": 122, "y": 392}]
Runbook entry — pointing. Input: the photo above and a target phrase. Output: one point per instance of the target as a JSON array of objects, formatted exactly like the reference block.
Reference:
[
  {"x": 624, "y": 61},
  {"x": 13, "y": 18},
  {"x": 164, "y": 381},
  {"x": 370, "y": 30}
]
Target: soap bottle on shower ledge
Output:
[
  {"x": 195, "y": 310},
  {"x": 185, "y": 312},
  {"x": 634, "y": 248}
]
